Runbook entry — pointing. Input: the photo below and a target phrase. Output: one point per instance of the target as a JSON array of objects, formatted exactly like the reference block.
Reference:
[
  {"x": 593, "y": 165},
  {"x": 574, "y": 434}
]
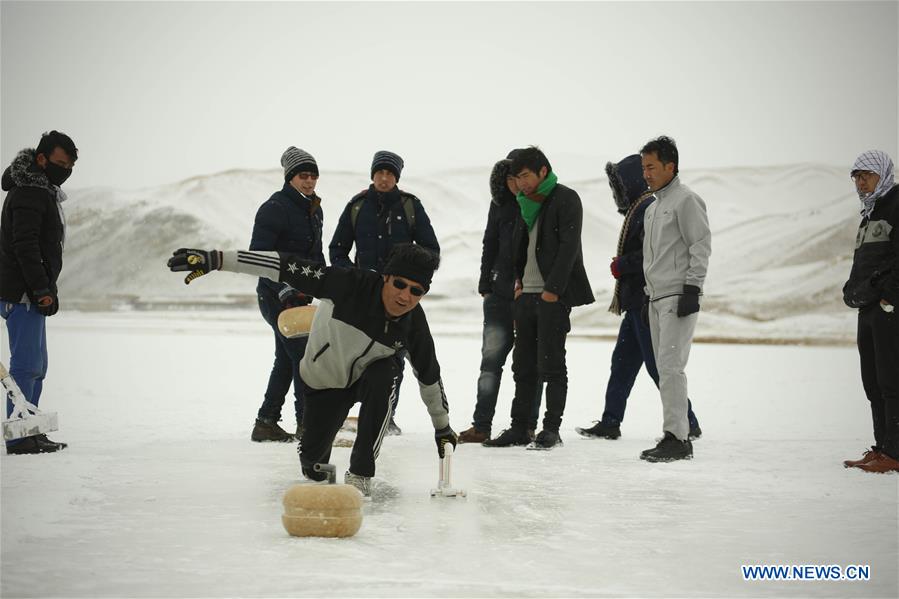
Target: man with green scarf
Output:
[{"x": 551, "y": 279}]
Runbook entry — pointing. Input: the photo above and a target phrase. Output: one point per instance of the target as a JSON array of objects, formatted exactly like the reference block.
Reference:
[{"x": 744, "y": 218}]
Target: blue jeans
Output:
[
  {"x": 286, "y": 369},
  {"x": 632, "y": 350},
  {"x": 27, "y": 348},
  {"x": 498, "y": 340}
]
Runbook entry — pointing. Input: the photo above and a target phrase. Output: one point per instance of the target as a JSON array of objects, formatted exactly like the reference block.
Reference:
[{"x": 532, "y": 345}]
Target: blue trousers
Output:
[
  {"x": 632, "y": 350},
  {"x": 27, "y": 350},
  {"x": 285, "y": 370}
]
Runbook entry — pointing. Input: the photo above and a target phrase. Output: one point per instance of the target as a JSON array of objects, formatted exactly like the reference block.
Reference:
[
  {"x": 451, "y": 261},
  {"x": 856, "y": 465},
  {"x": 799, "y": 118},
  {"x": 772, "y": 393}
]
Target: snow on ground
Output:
[{"x": 161, "y": 493}]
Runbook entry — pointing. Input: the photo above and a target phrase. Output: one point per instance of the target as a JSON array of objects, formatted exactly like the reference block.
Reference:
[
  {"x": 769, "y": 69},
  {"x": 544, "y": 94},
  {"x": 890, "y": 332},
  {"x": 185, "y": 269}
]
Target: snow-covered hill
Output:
[{"x": 782, "y": 245}]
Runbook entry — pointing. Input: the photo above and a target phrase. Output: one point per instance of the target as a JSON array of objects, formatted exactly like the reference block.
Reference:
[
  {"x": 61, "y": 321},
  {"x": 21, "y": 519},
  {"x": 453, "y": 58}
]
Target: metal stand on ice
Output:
[
  {"x": 444, "y": 485},
  {"x": 26, "y": 420}
]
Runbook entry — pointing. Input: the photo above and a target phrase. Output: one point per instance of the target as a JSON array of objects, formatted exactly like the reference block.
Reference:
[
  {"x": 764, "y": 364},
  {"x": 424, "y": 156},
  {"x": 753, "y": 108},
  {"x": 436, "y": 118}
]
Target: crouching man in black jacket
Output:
[
  {"x": 363, "y": 321},
  {"x": 873, "y": 288}
]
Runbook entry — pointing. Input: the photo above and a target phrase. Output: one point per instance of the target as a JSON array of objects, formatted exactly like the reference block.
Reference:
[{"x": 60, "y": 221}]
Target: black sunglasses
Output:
[{"x": 413, "y": 289}]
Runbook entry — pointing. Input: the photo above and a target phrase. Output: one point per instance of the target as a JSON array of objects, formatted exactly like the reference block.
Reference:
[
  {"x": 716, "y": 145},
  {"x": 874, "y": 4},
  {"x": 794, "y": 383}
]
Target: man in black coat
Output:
[
  {"x": 549, "y": 266},
  {"x": 497, "y": 287},
  {"x": 633, "y": 347},
  {"x": 873, "y": 288},
  {"x": 32, "y": 236},
  {"x": 289, "y": 221},
  {"x": 375, "y": 221}
]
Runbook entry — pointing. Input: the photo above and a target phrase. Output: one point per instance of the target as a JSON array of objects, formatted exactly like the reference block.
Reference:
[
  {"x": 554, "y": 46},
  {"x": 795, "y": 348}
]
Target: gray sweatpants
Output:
[{"x": 671, "y": 341}]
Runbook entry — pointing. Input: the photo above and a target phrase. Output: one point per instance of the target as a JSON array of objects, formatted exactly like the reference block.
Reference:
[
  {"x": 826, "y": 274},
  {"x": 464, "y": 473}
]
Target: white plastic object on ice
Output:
[{"x": 444, "y": 481}]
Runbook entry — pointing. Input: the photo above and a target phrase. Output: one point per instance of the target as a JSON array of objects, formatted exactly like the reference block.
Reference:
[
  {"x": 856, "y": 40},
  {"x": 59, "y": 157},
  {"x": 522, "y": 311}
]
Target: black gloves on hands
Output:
[
  {"x": 291, "y": 298},
  {"x": 46, "y": 302},
  {"x": 444, "y": 436},
  {"x": 198, "y": 262},
  {"x": 689, "y": 301}
]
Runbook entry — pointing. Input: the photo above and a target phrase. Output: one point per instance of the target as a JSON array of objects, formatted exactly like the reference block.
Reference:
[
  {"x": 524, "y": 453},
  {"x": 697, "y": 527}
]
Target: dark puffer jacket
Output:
[
  {"x": 628, "y": 186},
  {"x": 875, "y": 264},
  {"x": 31, "y": 231},
  {"x": 497, "y": 264},
  {"x": 287, "y": 222},
  {"x": 380, "y": 224}
]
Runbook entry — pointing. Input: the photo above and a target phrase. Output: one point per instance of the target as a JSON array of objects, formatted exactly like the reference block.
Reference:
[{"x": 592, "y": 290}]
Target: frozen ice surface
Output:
[{"x": 162, "y": 494}]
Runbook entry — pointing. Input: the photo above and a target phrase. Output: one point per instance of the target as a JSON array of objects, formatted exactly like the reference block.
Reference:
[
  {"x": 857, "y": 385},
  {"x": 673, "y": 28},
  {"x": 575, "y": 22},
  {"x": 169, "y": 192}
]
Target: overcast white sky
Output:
[{"x": 156, "y": 92}]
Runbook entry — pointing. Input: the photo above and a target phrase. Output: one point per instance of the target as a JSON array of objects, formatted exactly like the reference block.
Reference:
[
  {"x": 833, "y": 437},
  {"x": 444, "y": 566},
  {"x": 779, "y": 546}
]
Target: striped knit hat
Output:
[
  {"x": 295, "y": 160},
  {"x": 387, "y": 160}
]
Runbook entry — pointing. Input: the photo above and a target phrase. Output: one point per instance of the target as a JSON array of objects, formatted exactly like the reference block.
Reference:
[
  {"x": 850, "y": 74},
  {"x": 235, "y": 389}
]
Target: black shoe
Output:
[
  {"x": 669, "y": 449},
  {"x": 34, "y": 444},
  {"x": 546, "y": 440},
  {"x": 508, "y": 438},
  {"x": 267, "y": 429},
  {"x": 600, "y": 430},
  {"x": 392, "y": 428},
  {"x": 695, "y": 431}
]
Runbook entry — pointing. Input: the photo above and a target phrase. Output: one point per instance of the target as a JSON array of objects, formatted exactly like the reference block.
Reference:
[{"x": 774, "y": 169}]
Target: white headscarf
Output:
[{"x": 876, "y": 162}]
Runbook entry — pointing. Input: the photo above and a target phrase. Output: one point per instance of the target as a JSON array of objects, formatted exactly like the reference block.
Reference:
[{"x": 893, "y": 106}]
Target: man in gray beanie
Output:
[
  {"x": 290, "y": 220},
  {"x": 377, "y": 219}
]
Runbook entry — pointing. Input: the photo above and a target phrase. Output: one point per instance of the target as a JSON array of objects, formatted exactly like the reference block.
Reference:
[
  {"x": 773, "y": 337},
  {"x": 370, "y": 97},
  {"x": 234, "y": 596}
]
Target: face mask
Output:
[{"x": 56, "y": 174}]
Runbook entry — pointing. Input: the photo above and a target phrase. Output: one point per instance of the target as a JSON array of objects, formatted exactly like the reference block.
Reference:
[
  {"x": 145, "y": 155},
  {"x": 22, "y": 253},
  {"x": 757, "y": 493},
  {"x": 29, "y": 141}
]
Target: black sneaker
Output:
[
  {"x": 546, "y": 440},
  {"x": 34, "y": 444},
  {"x": 267, "y": 429},
  {"x": 392, "y": 428},
  {"x": 695, "y": 431},
  {"x": 508, "y": 438},
  {"x": 600, "y": 430},
  {"x": 669, "y": 449}
]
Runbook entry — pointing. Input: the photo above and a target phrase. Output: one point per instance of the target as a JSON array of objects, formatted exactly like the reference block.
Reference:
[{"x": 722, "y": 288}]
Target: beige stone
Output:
[
  {"x": 296, "y": 322},
  {"x": 312, "y": 510}
]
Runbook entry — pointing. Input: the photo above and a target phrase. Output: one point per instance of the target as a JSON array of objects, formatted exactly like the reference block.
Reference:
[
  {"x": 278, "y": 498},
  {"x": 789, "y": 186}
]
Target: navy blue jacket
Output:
[
  {"x": 630, "y": 264},
  {"x": 287, "y": 223},
  {"x": 380, "y": 224},
  {"x": 497, "y": 255}
]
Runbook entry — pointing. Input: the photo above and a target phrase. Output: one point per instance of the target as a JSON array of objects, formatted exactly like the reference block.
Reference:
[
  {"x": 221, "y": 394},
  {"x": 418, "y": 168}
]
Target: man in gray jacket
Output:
[{"x": 677, "y": 244}]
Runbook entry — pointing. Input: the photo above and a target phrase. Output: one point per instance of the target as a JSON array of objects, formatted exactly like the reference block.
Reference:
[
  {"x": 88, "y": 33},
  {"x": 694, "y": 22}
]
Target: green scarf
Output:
[{"x": 530, "y": 208}]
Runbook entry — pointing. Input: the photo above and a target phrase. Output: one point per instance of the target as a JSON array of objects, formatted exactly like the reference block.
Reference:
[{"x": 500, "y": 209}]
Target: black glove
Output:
[
  {"x": 198, "y": 262},
  {"x": 689, "y": 301},
  {"x": 444, "y": 436},
  {"x": 644, "y": 311},
  {"x": 46, "y": 302},
  {"x": 291, "y": 298}
]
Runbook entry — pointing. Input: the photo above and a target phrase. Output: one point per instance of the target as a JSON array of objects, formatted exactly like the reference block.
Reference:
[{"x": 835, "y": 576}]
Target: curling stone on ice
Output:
[
  {"x": 296, "y": 322},
  {"x": 329, "y": 510}
]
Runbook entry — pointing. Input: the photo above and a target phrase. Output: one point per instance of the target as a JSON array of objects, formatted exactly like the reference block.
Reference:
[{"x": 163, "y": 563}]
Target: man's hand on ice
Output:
[
  {"x": 198, "y": 262},
  {"x": 444, "y": 436}
]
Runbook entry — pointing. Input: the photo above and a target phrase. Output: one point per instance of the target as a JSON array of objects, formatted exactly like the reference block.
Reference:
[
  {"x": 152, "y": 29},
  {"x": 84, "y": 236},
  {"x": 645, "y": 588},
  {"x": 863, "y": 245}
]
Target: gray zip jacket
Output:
[{"x": 677, "y": 241}]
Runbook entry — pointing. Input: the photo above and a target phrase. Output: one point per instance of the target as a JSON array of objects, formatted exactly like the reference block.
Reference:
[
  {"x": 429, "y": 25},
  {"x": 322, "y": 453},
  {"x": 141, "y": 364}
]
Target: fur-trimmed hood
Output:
[
  {"x": 626, "y": 180},
  {"x": 22, "y": 172},
  {"x": 499, "y": 191}
]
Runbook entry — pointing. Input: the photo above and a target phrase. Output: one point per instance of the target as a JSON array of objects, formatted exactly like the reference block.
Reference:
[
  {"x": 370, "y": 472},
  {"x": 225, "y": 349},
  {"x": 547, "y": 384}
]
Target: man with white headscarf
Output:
[{"x": 873, "y": 288}]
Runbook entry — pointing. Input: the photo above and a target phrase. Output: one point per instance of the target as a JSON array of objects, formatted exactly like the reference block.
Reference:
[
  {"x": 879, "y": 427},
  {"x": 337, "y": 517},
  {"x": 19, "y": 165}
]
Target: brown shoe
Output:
[
  {"x": 473, "y": 435},
  {"x": 267, "y": 429},
  {"x": 869, "y": 456},
  {"x": 883, "y": 463}
]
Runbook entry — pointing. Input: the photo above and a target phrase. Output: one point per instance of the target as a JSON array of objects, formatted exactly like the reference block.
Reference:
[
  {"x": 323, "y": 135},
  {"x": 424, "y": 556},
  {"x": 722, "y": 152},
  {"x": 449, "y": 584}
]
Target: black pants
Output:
[
  {"x": 878, "y": 348},
  {"x": 286, "y": 369},
  {"x": 326, "y": 410},
  {"x": 539, "y": 357}
]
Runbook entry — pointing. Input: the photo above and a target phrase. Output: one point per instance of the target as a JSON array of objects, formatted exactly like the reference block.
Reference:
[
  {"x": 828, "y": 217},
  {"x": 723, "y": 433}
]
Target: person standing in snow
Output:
[
  {"x": 549, "y": 266},
  {"x": 289, "y": 221},
  {"x": 377, "y": 219},
  {"x": 497, "y": 286},
  {"x": 677, "y": 244},
  {"x": 363, "y": 321},
  {"x": 32, "y": 236},
  {"x": 873, "y": 288},
  {"x": 633, "y": 347}
]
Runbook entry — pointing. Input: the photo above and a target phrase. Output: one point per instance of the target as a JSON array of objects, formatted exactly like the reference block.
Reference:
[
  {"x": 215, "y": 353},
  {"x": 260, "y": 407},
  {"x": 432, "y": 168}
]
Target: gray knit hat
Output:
[
  {"x": 387, "y": 160},
  {"x": 295, "y": 160}
]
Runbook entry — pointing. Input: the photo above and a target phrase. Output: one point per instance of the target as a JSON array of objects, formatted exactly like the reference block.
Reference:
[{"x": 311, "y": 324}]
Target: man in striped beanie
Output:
[
  {"x": 295, "y": 160},
  {"x": 375, "y": 221},
  {"x": 873, "y": 288}
]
